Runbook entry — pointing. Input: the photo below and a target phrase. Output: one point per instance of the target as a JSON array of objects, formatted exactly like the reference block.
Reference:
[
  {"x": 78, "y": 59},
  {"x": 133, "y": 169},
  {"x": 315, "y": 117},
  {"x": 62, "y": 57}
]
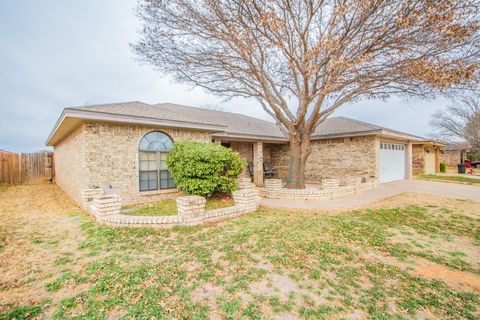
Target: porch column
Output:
[
  {"x": 217, "y": 141},
  {"x": 258, "y": 163},
  {"x": 409, "y": 160}
]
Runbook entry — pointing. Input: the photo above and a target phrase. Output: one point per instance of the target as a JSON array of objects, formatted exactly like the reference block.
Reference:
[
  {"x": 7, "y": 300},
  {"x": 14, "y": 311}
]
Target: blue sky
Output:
[{"x": 57, "y": 54}]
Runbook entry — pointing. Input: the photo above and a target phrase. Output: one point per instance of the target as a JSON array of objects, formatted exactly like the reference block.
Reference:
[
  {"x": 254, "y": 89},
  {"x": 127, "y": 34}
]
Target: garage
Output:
[{"x": 392, "y": 162}]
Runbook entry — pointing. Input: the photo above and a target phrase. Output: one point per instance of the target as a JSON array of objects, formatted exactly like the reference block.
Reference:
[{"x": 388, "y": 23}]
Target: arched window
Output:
[{"x": 153, "y": 150}]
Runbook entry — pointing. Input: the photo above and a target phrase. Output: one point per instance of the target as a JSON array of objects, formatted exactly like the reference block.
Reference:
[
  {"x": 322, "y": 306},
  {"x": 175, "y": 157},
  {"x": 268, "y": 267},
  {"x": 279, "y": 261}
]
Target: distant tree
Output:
[
  {"x": 472, "y": 132},
  {"x": 460, "y": 121},
  {"x": 302, "y": 59}
]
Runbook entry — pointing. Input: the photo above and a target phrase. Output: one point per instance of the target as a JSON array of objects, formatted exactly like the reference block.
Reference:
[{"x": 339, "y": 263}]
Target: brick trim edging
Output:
[
  {"x": 105, "y": 208},
  {"x": 331, "y": 189}
]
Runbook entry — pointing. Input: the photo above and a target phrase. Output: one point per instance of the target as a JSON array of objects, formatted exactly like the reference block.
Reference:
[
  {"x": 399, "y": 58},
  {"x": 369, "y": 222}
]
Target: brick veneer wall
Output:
[
  {"x": 112, "y": 158},
  {"x": 102, "y": 154},
  {"x": 70, "y": 164},
  {"x": 450, "y": 157},
  {"x": 333, "y": 158},
  {"x": 418, "y": 159},
  {"x": 245, "y": 149}
]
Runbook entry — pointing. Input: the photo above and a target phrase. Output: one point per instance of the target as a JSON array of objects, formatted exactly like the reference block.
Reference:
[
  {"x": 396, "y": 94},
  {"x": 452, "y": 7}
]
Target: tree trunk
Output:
[{"x": 299, "y": 152}]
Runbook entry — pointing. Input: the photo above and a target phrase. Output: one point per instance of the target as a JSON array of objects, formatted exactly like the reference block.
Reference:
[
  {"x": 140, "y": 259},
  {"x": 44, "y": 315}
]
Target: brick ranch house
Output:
[
  {"x": 454, "y": 153},
  {"x": 124, "y": 145}
]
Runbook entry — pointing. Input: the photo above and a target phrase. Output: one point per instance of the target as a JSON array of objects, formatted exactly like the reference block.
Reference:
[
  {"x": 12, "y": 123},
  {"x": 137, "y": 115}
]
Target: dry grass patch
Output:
[
  {"x": 452, "y": 179},
  {"x": 271, "y": 264},
  {"x": 169, "y": 207}
]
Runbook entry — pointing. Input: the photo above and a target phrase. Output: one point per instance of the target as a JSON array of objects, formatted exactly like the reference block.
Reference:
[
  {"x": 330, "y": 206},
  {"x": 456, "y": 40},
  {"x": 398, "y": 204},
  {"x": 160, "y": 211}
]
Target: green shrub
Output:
[
  {"x": 204, "y": 168},
  {"x": 443, "y": 167}
]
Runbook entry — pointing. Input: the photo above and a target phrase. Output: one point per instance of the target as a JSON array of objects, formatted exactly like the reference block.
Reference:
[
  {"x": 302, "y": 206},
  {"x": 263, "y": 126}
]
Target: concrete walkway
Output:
[{"x": 361, "y": 199}]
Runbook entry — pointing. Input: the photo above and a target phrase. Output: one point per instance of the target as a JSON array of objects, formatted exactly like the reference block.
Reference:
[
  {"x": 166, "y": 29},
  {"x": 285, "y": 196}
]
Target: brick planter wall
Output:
[
  {"x": 107, "y": 204},
  {"x": 191, "y": 210},
  {"x": 330, "y": 189}
]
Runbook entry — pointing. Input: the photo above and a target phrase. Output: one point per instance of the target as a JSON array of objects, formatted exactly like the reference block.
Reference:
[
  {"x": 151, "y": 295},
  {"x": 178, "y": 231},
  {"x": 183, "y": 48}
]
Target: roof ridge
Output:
[
  {"x": 210, "y": 110},
  {"x": 381, "y": 127},
  {"x": 109, "y": 104},
  {"x": 360, "y": 122}
]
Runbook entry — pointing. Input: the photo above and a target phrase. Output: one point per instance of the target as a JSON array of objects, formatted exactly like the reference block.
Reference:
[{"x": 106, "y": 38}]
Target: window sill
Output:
[{"x": 160, "y": 191}]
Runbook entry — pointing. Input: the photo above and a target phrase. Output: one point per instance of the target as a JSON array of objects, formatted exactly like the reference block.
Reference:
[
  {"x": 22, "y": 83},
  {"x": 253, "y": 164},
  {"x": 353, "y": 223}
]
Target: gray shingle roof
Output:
[{"x": 236, "y": 124}]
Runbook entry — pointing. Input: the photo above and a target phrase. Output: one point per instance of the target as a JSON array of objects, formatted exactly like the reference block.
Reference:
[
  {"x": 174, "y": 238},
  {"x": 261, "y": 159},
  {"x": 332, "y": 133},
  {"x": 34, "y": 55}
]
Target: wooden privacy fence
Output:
[{"x": 26, "y": 168}]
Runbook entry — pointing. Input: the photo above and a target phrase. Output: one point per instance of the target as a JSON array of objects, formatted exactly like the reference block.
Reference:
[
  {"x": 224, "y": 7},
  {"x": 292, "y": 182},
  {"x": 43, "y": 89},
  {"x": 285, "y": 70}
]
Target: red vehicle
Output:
[{"x": 472, "y": 164}]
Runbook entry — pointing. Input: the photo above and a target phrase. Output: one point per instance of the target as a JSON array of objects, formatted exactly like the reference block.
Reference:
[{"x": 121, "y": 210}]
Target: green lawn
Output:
[
  {"x": 169, "y": 207},
  {"x": 268, "y": 264},
  {"x": 457, "y": 179}
]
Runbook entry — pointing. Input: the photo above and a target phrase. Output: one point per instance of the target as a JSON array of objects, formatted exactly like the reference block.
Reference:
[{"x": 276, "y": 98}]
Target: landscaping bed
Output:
[
  {"x": 169, "y": 207},
  {"x": 410, "y": 256}
]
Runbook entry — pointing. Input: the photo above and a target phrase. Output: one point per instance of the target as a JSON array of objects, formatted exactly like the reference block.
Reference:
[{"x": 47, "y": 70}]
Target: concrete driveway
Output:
[{"x": 361, "y": 199}]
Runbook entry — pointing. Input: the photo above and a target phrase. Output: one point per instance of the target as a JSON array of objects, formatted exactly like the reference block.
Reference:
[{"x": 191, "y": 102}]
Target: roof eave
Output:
[
  {"x": 250, "y": 137},
  {"x": 346, "y": 134},
  {"x": 400, "y": 135},
  {"x": 128, "y": 119},
  {"x": 374, "y": 132},
  {"x": 431, "y": 142}
]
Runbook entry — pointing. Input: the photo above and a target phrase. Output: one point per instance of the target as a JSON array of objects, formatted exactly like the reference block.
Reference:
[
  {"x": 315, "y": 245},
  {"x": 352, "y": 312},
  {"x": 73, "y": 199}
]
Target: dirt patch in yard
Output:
[
  {"x": 453, "y": 246},
  {"x": 465, "y": 207},
  {"x": 31, "y": 254},
  {"x": 458, "y": 280}
]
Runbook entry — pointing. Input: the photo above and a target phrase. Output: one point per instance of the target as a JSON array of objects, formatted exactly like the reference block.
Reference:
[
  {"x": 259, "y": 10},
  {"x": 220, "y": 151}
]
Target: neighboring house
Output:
[
  {"x": 124, "y": 145},
  {"x": 454, "y": 153}
]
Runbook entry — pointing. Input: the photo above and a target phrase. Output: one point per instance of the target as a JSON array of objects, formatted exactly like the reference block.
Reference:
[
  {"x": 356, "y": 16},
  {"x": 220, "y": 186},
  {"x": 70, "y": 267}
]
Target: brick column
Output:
[
  {"x": 437, "y": 159},
  {"x": 245, "y": 183},
  {"x": 107, "y": 204},
  {"x": 409, "y": 160},
  {"x": 246, "y": 198},
  {"x": 88, "y": 195},
  {"x": 353, "y": 181},
  {"x": 258, "y": 163},
  {"x": 191, "y": 209},
  {"x": 273, "y": 187}
]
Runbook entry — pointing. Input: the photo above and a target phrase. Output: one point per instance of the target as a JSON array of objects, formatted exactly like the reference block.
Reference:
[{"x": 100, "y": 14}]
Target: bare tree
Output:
[
  {"x": 472, "y": 132},
  {"x": 302, "y": 59},
  {"x": 460, "y": 121}
]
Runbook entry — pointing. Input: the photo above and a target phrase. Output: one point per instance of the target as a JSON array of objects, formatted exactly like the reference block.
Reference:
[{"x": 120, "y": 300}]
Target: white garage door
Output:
[{"x": 392, "y": 162}]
